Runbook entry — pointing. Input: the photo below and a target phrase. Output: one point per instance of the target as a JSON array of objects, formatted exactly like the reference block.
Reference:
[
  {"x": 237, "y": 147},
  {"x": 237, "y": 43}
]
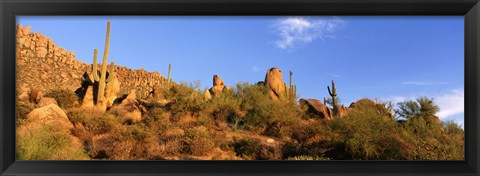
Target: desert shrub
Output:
[
  {"x": 364, "y": 134},
  {"x": 65, "y": 98},
  {"x": 225, "y": 109},
  {"x": 432, "y": 142},
  {"x": 21, "y": 111},
  {"x": 47, "y": 142},
  {"x": 428, "y": 138},
  {"x": 201, "y": 140},
  {"x": 133, "y": 142},
  {"x": 96, "y": 123},
  {"x": 253, "y": 149},
  {"x": 267, "y": 116},
  {"x": 303, "y": 157},
  {"x": 184, "y": 99}
]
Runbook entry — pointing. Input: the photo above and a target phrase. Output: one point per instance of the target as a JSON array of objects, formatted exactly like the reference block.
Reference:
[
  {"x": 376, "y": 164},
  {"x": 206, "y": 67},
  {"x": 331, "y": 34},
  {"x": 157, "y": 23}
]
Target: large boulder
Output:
[
  {"x": 50, "y": 114},
  {"x": 88, "y": 98},
  {"x": 274, "y": 80},
  {"x": 317, "y": 109},
  {"x": 45, "y": 101},
  {"x": 112, "y": 90}
]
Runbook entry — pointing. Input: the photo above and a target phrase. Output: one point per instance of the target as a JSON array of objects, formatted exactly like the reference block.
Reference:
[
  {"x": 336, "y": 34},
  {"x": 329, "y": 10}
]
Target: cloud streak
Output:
[
  {"x": 294, "y": 31},
  {"x": 451, "y": 103},
  {"x": 420, "y": 83}
]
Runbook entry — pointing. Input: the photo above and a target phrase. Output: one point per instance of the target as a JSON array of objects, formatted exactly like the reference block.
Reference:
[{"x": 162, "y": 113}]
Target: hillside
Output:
[{"x": 70, "y": 110}]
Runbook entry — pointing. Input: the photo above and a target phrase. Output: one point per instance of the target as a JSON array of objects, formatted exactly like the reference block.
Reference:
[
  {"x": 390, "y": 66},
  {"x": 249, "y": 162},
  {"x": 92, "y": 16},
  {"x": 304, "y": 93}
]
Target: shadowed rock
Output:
[{"x": 317, "y": 109}]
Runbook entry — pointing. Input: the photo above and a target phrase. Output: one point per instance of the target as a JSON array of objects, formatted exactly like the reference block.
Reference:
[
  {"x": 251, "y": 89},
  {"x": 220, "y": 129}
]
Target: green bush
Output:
[
  {"x": 47, "y": 142},
  {"x": 200, "y": 140},
  {"x": 267, "y": 116},
  {"x": 252, "y": 149},
  {"x": 65, "y": 98},
  {"x": 184, "y": 99},
  {"x": 133, "y": 142},
  {"x": 96, "y": 123},
  {"x": 365, "y": 134},
  {"x": 303, "y": 157},
  {"x": 21, "y": 111}
]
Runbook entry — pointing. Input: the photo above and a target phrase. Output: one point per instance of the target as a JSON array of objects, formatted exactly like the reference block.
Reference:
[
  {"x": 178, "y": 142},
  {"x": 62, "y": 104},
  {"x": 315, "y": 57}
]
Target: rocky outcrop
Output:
[
  {"x": 50, "y": 114},
  {"x": 129, "y": 108},
  {"x": 274, "y": 80},
  {"x": 365, "y": 102},
  {"x": 218, "y": 87},
  {"x": 44, "y": 65},
  {"x": 317, "y": 109}
]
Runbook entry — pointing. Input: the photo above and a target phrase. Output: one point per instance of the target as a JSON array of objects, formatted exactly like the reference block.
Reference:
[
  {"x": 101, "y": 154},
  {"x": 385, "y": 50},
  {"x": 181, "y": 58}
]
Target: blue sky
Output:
[{"x": 393, "y": 58}]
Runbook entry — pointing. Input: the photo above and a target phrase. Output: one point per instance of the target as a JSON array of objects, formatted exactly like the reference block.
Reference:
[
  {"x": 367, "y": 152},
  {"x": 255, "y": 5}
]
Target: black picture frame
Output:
[{"x": 470, "y": 9}]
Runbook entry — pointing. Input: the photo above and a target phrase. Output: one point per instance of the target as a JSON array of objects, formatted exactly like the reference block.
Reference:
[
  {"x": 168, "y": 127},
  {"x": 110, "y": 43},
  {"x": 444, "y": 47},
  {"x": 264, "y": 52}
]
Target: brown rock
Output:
[
  {"x": 112, "y": 90},
  {"x": 207, "y": 95},
  {"x": 317, "y": 109},
  {"x": 365, "y": 102},
  {"x": 26, "y": 30},
  {"x": 41, "y": 52},
  {"x": 87, "y": 101},
  {"x": 45, "y": 101},
  {"x": 50, "y": 114},
  {"x": 130, "y": 108},
  {"x": 274, "y": 80},
  {"x": 218, "y": 86}
]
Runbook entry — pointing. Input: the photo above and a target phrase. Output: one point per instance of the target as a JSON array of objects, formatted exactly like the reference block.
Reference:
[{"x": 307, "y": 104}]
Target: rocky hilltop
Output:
[{"x": 43, "y": 65}]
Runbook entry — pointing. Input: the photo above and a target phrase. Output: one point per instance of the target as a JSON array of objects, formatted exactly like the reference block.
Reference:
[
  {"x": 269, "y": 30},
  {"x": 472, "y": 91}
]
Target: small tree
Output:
[{"x": 422, "y": 107}]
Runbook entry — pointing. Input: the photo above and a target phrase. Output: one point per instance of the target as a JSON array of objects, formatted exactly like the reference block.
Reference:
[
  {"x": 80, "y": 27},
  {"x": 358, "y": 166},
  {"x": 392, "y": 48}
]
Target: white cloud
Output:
[
  {"x": 420, "y": 83},
  {"x": 299, "y": 30},
  {"x": 450, "y": 103}
]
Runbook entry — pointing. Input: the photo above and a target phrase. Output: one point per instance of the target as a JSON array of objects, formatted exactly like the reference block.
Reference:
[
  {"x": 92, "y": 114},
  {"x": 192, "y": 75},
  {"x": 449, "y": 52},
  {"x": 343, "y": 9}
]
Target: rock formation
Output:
[
  {"x": 50, "y": 114},
  {"x": 218, "y": 86},
  {"x": 45, "y": 101},
  {"x": 129, "y": 108},
  {"x": 274, "y": 80},
  {"x": 317, "y": 109},
  {"x": 365, "y": 102},
  {"x": 43, "y": 65}
]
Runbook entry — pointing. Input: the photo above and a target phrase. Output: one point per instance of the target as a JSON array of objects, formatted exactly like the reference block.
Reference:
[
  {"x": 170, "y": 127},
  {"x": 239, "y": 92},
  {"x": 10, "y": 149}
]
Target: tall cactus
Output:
[
  {"x": 292, "y": 89},
  {"x": 169, "y": 71},
  {"x": 101, "y": 82},
  {"x": 333, "y": 94},
  {"x": 291, "y": 75}
]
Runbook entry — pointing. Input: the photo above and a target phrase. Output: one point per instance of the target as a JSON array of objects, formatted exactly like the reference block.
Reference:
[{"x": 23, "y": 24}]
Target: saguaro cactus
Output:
[
  {"x": 292, "y": 89},
  {"x": 169, "y": 71},
  {"x": 103, "y": 76},
  {"x": 333, "y": 94},
  {"x": 99, "y": 82}
]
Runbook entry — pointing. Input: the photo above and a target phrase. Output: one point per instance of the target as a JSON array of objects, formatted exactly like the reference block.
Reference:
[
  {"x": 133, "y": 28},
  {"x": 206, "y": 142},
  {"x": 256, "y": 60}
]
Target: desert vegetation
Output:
[{"x": 248, "y": 121}]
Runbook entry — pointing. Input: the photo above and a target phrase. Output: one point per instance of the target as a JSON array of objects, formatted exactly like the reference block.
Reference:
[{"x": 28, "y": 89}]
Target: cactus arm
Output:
[
  {"x": 111, "y": 72},
  {"x": 101, "y": 85},
  {"x": 95, "y": 69}
]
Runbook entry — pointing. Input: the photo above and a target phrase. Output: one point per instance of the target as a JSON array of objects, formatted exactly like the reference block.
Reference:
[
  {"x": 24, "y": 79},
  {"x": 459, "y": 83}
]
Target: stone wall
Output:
[{"x": 43, "y": 65}]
